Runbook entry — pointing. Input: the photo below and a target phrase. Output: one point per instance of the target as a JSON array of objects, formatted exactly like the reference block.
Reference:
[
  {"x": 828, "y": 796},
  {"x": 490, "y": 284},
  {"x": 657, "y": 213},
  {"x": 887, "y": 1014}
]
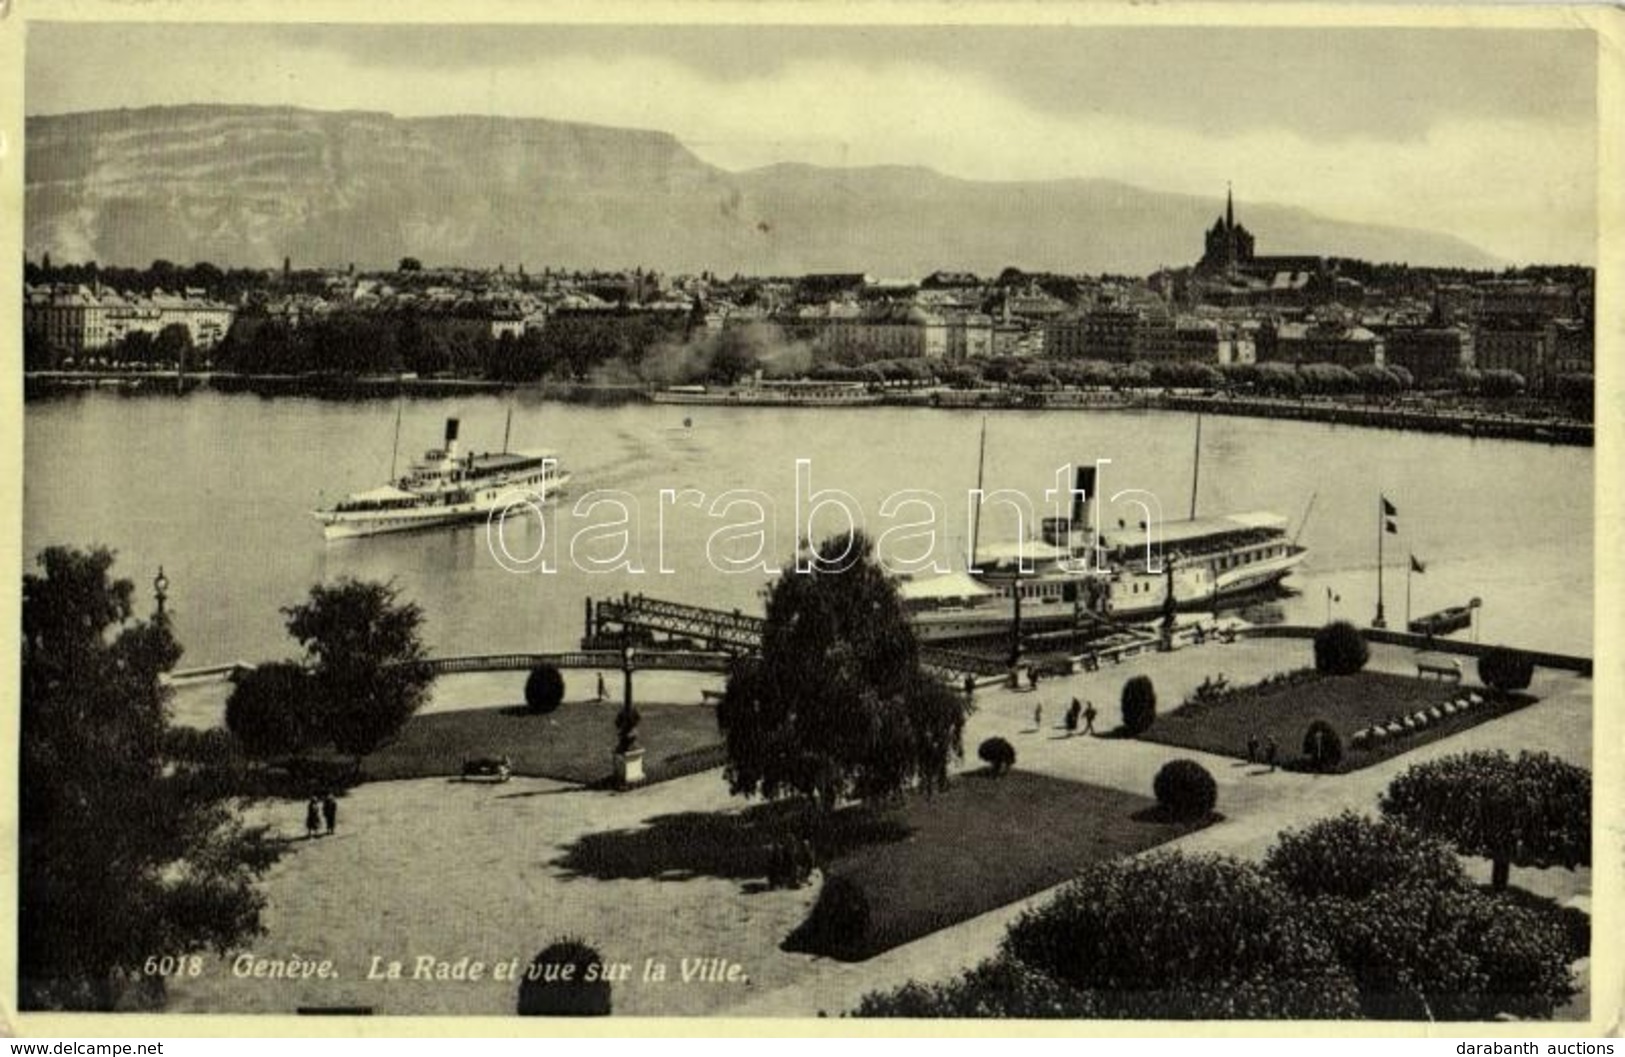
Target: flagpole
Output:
[
  {"x": 1382, "y": 522},
  {"x": 1409, "y": 569}
]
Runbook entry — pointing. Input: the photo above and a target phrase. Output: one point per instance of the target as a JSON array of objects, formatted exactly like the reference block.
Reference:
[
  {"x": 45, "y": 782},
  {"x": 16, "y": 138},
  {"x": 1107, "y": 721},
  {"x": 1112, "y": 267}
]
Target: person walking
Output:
[
  {"x": 330, "y": 812},
  {"x": 313, "y": 818},
  {"x": 1038, "y": 716},
  {"x": 603, "y": 691},
  {"x": 1269, "y": 754},
  {"x": 1073, "y": 711},
  {"x": 1252, "y": 748},
  {"x": 1089, "y": 715}
]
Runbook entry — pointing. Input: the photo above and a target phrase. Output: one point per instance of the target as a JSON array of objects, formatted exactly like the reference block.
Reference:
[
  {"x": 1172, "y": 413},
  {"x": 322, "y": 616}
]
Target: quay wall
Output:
[{"x": 1559, "y": 661}]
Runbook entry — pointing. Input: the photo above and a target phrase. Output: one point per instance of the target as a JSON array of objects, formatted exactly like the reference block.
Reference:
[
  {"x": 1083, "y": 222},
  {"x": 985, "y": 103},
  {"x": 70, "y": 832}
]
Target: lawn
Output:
[
  {"x": 1349, "y": 703},
  {"x": 979, "y": 845},
  {"x": 574, "y": 744}
]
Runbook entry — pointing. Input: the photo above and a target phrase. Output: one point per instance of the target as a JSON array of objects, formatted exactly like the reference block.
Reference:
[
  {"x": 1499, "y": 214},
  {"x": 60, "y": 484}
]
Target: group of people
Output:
[
  {"x": 1075, "y": 713},
  {"x": 1269, "y": 751},
  {"x": 321, "y": 809}
]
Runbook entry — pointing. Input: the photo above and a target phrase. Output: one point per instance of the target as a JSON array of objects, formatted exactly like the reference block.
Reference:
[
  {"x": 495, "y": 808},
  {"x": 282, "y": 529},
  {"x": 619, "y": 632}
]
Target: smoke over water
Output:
[{"x": 725, "y": 355}]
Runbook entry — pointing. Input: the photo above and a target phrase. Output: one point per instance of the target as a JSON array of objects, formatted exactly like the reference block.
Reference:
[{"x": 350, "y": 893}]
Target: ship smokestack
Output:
[
  {"x": 1083, "y": 500},
  {"x": 451, "y": 438}
]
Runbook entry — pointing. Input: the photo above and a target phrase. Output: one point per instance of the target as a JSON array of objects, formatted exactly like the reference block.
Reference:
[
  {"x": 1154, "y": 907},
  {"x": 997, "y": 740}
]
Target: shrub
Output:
[
  {"x": 1340, "y": 649},
  {"x": 1183, "y": 937},
  {"x": 1506, "y": 669},
  {"x": 1419, "y": 939},
  {"x": 998, "y": 754},
  {"x": 556, "y": 983},
  {"x": 1322, "y": 745},
  {"x": 1185, "y": 789},
  {"x": 1139, "y": 704},
  {"x": 270, "y": 711},
  {"x": 999, "y": 988},
  {"x": 544, "y": 689},
  {"x": 838, "y": 923}
]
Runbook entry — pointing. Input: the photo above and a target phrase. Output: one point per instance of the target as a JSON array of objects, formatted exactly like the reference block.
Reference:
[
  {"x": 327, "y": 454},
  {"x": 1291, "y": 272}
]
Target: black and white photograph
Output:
[{"x": 1085, "y": 515}]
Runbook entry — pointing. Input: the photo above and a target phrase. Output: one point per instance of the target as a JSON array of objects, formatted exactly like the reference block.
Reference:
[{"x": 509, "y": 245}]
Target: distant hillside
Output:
[{"x": 250, "y": 185}]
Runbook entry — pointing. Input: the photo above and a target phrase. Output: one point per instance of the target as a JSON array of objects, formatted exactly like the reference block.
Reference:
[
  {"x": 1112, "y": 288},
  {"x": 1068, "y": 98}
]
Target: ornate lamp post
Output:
[
  {"x": 628, "y": 756},
  {"x": 160, "y": 590}
]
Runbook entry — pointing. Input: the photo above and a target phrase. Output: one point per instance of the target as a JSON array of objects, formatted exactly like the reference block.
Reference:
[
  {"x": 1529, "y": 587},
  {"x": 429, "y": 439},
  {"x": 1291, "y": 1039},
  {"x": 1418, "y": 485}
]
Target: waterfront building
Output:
[
  {"x": 1431, "y": 354},
  {"x": 83, "y": 319},
  {"x": 1513, "y": 346}
]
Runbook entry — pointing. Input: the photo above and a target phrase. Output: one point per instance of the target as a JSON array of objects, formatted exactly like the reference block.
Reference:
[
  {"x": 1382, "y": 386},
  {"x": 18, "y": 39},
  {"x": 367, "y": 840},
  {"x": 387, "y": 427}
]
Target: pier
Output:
[{"x": 649, "y": 623}]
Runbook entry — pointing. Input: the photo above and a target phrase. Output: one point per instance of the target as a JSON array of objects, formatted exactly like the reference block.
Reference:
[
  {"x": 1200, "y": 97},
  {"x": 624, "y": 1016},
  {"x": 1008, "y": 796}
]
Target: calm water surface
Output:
[{"x": 217, "y": 489}]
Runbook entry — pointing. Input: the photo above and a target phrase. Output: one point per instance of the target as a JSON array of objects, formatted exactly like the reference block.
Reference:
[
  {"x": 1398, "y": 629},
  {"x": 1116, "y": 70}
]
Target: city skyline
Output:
[{"x": 1290, "y": 116}]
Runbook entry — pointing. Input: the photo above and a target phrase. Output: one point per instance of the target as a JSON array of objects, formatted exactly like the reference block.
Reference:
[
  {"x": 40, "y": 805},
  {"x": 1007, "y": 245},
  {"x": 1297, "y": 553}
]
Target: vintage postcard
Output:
[{"x": 1084, "y": 518}]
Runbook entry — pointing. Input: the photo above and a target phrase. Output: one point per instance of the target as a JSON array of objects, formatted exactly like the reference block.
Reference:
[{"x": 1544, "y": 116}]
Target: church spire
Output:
[{"x": 1229, "y": 208}]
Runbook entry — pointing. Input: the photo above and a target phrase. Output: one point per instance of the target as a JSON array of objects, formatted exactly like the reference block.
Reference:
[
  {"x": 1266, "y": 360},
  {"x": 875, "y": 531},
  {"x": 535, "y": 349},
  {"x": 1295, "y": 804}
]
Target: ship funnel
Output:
[
  {"x": 1084, "y": 499},
  {"x": 451, "y": 438}
]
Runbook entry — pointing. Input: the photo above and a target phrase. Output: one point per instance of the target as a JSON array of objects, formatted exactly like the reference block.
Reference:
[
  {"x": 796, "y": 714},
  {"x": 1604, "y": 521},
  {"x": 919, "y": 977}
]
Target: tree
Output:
[
  {"x": 836, "y": 705},
  {"x": 1534, "y": 810},
  {"x": 172, "y": 344},
  {"x": 1419, "y": 939},
  {"x": 1505, "y": 668},
  {"x": 1185, "y": 937},
  {"x": 269, "y": 710},
  {"x": 123, "y": 853},
  {"x": 410, "y": 264},
  {"x": 365, "y": 658}
]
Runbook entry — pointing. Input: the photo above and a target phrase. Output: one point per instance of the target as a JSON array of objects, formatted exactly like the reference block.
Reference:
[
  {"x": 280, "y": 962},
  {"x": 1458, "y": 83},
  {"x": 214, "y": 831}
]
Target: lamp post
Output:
[
  {"x": 160, "y": 590},
  {"x": 628, "y": 756}
]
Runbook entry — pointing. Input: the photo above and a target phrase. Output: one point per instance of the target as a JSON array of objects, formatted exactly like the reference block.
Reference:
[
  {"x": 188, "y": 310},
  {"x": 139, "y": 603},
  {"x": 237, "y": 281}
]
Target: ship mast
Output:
[
  {"x": 395, "y": 452},
  {"x": 506, "y": 429},
  {"x": 976, "y": 522},
  {"x": 1196, "y": 471}
]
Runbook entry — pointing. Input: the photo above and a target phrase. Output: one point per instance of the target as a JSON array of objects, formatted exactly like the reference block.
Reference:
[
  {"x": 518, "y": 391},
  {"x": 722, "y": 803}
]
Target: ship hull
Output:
[{"x": 339, "y": 525}]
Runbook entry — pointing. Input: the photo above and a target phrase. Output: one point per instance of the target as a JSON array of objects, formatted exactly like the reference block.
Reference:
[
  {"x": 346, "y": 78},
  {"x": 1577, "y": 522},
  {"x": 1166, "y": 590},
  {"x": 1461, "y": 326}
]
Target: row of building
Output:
[{"x": 79, "y": 319}]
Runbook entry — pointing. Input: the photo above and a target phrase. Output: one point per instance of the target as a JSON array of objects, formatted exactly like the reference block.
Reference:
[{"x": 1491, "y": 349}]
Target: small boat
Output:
[
  {"x": 446, "y": 487},
  {"x": 1444, "y": 622}
]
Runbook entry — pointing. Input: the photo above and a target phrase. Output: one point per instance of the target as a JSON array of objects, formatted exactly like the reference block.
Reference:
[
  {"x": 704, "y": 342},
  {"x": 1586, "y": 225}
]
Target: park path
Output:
[
  {"x": 449, "y": 869},
  {"x": 1257, "y": 804}
]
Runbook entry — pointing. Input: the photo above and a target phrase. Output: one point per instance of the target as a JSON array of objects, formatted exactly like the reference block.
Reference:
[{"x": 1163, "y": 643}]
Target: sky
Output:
[{"x": 1486, "y": 134}]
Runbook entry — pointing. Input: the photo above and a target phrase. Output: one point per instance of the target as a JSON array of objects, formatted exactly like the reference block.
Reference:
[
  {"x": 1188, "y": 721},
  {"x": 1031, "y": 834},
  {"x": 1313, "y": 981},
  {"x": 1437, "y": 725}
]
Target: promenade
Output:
[{"x": 443, "y": 868}]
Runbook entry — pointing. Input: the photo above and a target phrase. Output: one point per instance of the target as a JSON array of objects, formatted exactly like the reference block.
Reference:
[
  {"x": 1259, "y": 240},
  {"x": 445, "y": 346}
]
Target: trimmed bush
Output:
[
  {"x": 1139, "y": 704},
  {"x": 270, "y": 711},
  {"x": 1506, "y": 669},
  {"x": 1185, "y": 789},
  {"x": 556, "y": 983},
  {"x": 1170, "y": 936},
  {"x": 838, "y": 923},
  {"x": 1340, "y": 649},
  {"x": 544, "y": 689},
  {"x": 1322, "y": 745},
  {"x": 1000, "y": 988},
  {"x": 998, "y": 754}
]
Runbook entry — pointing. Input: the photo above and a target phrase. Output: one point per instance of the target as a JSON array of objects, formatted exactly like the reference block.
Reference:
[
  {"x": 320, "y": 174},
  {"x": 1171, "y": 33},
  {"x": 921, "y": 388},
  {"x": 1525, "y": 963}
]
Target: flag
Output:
[
  {"x": 1416, "y": 566},
  {"x": 1393, "y": 528},
  {"x": 1331, "y": 597},
  {"x": 1389, "y": 508}
]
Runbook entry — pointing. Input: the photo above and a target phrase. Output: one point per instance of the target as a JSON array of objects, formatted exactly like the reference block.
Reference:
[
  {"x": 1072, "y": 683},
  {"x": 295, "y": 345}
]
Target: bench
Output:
[
  {"x": 1444, "y": 669},
  {"x": 492, "y": 768}
]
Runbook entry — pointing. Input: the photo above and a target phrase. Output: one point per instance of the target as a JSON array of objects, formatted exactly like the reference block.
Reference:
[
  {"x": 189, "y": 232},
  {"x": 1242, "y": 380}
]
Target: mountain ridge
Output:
[{"x": 247, "y": 185}]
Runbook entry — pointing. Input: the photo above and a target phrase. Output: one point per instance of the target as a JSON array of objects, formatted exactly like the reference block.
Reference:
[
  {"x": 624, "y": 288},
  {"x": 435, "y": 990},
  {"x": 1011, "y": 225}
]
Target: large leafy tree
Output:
[
  {"x": 1420, "y": 940},
  {"x": 837, "y": 706},
  {"x": 1532, "y": 810},
  {"x": 365, "y": 657},
  {"x": 124, "y": 853}
]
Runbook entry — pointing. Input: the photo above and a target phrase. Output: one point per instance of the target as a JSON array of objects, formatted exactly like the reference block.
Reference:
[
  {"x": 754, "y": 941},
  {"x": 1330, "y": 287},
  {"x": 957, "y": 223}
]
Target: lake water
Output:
[{"x": 217, "y": 489}]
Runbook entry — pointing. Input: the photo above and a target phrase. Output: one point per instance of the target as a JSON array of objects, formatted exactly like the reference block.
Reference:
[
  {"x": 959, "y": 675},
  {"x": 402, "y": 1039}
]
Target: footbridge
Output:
[{"x": 646, "y": 621}]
